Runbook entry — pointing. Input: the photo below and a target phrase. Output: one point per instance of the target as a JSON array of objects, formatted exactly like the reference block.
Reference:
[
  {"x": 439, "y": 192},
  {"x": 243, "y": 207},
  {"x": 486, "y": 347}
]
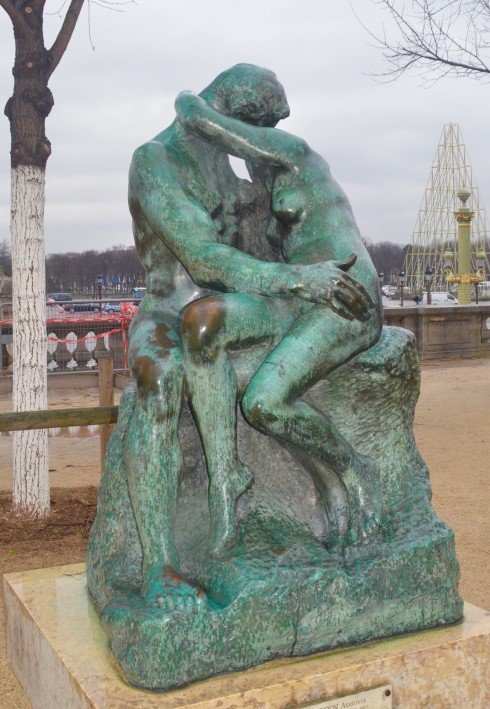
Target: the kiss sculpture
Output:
[{"x": 262, "y": 494}]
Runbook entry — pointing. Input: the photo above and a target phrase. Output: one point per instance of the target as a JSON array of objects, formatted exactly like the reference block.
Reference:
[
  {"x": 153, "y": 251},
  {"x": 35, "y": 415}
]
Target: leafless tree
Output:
[
  {"x": 435, "y": 38},
  {"x": 27, "y": 110}
]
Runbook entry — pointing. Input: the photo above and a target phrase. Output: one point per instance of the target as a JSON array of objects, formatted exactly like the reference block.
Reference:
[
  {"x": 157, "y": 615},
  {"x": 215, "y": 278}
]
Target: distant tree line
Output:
[
  {"x": 121, "y": 269},
  {"x": 78, "y": 273},
  {"x": 388, "y": 258}
]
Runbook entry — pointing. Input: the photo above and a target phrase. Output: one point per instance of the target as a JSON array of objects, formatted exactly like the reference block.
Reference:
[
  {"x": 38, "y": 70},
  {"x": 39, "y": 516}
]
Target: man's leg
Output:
[
  {"x": 210, "y": 327},
  {"x": 153, "y": 459}
]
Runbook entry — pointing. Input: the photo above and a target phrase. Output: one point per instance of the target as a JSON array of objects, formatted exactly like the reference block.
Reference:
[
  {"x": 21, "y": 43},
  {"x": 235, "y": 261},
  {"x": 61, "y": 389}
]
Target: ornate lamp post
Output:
[
  {"x": 401, "y": 283},
  {"x": 100, "y": 283},
  {"x": 381, "y": 280},
  {"x": 428, "y": 278},
  {"x": 464, "y": 278}
]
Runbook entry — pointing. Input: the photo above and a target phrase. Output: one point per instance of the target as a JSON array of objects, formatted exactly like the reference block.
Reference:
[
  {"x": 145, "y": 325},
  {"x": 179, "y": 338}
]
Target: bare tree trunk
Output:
[
  {"x": 30, "y": 454},
  {"x": 27, "y": 110}
]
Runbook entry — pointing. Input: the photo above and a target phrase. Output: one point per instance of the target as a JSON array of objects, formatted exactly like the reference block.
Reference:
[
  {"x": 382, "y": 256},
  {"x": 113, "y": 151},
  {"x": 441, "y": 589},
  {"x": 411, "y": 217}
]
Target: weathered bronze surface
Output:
[{"x": 318, "y": 533}]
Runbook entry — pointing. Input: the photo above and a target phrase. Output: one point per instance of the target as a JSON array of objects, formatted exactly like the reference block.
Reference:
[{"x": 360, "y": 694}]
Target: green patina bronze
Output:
[{"x": 215, "y": 551}]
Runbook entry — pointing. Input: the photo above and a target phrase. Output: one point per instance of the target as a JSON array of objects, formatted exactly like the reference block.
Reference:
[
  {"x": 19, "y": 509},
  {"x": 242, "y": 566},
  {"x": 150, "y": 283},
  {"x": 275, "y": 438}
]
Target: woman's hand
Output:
[{"x": 328, "y": 283}]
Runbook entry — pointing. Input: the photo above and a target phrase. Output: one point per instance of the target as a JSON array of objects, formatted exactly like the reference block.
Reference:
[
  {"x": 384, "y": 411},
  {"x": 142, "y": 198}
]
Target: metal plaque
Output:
[{"x": 378, "y": 698}]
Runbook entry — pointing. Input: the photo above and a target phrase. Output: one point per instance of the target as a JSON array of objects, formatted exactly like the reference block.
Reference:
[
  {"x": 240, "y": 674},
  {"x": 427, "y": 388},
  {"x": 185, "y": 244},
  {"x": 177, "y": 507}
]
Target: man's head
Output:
[{"x": 250, "y": 93}]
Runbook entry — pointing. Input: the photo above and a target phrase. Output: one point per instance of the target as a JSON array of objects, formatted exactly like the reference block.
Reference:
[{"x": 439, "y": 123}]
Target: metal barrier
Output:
[{"x": 75, "y": 338}]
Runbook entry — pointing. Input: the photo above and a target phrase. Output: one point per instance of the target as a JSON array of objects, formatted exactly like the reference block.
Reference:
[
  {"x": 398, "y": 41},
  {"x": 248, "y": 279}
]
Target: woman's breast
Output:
[{"x": 287, "y": 206}]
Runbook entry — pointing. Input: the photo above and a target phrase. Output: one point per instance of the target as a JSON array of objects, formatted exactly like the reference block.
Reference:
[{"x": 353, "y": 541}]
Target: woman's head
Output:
[{"x": 250, "y": 93}]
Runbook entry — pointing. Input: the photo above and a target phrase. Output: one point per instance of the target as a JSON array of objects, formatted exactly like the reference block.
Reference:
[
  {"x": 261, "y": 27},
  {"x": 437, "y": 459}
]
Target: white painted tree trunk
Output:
[{"x": 31, "y": 473}]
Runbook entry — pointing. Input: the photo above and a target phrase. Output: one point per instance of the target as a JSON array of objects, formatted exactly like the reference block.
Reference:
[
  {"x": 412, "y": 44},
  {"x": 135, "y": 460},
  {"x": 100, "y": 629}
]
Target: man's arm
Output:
[
  {"x": 269, "y": 146},
  {"x": 189, "y": 232}
]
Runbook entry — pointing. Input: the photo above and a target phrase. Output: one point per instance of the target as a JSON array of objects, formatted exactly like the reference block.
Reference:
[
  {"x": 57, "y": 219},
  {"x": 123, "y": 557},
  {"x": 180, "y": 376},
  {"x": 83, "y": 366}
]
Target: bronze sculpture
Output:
[{"x": 317, "y": 533}]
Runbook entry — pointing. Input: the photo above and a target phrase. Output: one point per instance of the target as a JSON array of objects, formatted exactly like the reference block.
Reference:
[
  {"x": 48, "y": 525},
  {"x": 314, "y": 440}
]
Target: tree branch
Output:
[
  {"x": 64, "y": 35},
  {"x": 440, "y": 37},
  {"x": 14, "y": 14}
]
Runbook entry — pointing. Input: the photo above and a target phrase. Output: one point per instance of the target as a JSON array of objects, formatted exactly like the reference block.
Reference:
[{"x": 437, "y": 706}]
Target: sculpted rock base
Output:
[{"x": 280, "y": 592}]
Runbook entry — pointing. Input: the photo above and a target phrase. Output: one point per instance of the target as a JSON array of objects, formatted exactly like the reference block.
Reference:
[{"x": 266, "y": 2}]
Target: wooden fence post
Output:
[{"x": 105, "y": 362}]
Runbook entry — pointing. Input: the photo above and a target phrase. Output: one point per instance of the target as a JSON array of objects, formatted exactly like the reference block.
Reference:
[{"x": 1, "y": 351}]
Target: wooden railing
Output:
[
  {"x": 58, "y": 418},
  {"x": 103, "y": 415}
]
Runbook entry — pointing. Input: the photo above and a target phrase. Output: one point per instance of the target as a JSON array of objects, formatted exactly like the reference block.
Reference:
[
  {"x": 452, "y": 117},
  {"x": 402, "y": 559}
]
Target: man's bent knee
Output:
[{"x": 202, "y": 323}]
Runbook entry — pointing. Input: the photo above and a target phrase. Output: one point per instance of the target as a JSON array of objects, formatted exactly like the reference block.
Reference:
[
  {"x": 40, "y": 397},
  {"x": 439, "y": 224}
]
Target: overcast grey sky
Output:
[{"x": 379, "y": 139}]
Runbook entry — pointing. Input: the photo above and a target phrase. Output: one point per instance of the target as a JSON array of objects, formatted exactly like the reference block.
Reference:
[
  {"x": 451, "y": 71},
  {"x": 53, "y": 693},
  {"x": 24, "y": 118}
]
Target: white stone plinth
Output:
[{"x": 62, "y": 659}]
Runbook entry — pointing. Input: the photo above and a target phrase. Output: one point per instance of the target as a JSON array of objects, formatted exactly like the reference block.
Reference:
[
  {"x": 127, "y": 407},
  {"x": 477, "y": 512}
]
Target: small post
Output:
[
  {"x": 100, "y": 283},
  {"x": 105, "y": 362},
  {"x": 401, "y": 282},
  {"x": 428, "y": 278}
]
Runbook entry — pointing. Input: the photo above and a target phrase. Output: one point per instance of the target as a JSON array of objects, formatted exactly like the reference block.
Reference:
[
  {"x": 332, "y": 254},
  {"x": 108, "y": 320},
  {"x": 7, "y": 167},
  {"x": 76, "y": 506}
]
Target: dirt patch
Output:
[
  {"x": 452, "y": 421},
  {"x": 72, "y": 513}
]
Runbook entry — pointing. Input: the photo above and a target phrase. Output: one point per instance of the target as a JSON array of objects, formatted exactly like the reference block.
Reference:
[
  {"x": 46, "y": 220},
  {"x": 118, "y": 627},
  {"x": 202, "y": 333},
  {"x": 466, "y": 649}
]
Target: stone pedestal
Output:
[{"x": 62, "y": 658}]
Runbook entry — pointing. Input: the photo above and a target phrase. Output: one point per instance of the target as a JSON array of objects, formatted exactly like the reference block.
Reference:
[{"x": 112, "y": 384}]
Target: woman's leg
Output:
[
  {"x": 317, "y": 343},
  {"x": 250, "y": 326}
]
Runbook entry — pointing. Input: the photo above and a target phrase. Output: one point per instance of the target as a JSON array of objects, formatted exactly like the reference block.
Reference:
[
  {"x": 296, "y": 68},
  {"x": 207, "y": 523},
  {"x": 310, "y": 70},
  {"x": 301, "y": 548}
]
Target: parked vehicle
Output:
[
  {"x": 112, "y": 307},
  {"x": 59, "y": 297},
  {"x": 76, "y": 307},
  {"x": 389, "y": 290},
  {"x": 440, "y": 297}
]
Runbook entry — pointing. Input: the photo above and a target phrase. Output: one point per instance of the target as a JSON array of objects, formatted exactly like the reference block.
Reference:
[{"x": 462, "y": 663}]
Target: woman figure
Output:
[{"x": 274, "y": 349}]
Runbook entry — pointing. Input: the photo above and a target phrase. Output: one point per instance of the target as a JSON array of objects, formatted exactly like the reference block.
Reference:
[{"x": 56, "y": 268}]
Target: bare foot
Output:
[
  {"x": 165, "y": 588},
  {"x": 363, "y": 488},
  {"x": 224, "y": 494}
]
